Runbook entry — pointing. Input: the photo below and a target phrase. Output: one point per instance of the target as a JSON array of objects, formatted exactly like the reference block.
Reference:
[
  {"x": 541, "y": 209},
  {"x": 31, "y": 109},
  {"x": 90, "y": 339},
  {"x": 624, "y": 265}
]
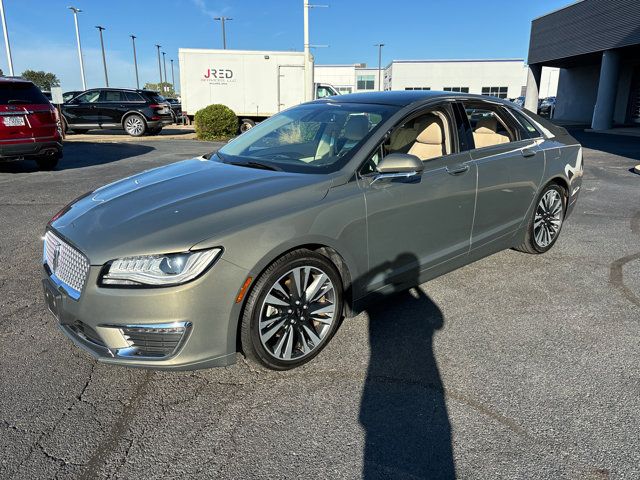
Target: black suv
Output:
[{"x": 138, "y": 112}]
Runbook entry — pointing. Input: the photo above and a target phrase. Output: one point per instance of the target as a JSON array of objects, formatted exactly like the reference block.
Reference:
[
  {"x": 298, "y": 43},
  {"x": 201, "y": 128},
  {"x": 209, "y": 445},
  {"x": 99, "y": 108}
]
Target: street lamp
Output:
[
  {"x": 159, "y": 66},
  {"x": 135, "y": 60},
  {"x": 164, "y": 62},
  {"x": 173, "y": 79},
  {"x": 379, "y": 45},
  {"x": 76, "y": 11},
  {"x": 6, "y": 38},
  {"x": 224, "y": 33},
  {"x": 104, "y": 58}
]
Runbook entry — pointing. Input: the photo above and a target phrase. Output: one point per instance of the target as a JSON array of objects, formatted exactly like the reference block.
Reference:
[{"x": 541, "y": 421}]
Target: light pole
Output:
[
  {"x": 173, "y": 79},
  {"x": 379, "y": 45},
  {"x": 76, "y": 11},
  {"x": 104, "y": 58},
  {"x": 164, "y": 62},
  {"x": 135, "y": 60},
  {"x": 224, "y": 33},
  {"x": 159, "y": 66},
  {"x": 6, "y": 38}
]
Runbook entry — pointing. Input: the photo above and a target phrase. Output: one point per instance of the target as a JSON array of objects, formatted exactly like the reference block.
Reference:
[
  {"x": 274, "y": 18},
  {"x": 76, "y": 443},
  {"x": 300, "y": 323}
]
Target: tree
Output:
[
  {"x": 42, "y": 80},
  {"x": 165, "y": 89}
]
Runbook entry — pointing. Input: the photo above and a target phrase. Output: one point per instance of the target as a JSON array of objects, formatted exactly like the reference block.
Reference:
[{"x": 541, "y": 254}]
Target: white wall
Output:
[
  {"x": 344, "y": 76},
  {"x": 466, "y": 73}
]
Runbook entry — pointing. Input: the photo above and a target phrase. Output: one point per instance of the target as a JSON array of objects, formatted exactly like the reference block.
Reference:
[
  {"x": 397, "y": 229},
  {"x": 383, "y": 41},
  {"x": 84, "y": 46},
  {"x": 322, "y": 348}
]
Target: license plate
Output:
[
  {"x": 52, "y": 298},
  {"x": 14, "y": 121}
]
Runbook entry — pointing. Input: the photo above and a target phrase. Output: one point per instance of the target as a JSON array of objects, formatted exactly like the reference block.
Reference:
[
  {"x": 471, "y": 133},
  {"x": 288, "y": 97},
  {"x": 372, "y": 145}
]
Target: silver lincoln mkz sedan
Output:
[{"x": 264, "y": 246}]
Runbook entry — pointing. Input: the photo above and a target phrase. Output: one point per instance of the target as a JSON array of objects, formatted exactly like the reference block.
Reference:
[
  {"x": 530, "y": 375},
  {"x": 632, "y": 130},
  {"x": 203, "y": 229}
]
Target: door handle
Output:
[
  {"x": 457, "y": 169},
  {"x": 527, "y": 152}
]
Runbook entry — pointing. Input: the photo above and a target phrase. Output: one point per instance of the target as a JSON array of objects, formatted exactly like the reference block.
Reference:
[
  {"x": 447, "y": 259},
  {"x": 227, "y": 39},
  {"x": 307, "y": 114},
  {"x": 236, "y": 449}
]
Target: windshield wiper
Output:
[{"x": 253, "y": 164}]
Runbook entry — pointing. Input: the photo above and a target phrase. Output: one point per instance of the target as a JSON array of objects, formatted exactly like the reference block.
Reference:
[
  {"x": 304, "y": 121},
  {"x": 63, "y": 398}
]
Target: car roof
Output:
[
  {"x": 14, "y": 80},
  {"x": 402, "y": 98}
]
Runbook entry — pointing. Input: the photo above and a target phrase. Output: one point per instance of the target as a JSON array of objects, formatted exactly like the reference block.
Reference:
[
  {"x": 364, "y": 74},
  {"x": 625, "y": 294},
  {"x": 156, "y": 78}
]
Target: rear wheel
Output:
[
  {"x": 48, "y": 162},
  {"x": 293, "y": 311},
  {"x": 546, "y": 222},
  {"x": 135, "y": 125}
]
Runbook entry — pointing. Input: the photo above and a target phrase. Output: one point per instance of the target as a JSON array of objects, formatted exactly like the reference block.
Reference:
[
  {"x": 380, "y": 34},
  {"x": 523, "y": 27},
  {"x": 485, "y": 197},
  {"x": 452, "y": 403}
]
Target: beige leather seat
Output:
[
  {"x": 430, "y": 142},
  {"x": 486, "y": 133}
]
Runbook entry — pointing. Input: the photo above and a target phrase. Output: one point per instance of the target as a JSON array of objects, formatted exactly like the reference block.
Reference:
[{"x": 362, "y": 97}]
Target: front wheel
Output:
[
  {"x": 293, "y": 311},
  {"x": 246, "y": 124},
  {"x": 135, "y": 125},
  {"x": 546, "y": 222}
]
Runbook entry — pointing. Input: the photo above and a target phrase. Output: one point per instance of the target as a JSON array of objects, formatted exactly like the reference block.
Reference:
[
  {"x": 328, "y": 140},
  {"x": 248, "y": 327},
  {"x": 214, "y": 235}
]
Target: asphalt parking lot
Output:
[{"x": 517, "y": 366}]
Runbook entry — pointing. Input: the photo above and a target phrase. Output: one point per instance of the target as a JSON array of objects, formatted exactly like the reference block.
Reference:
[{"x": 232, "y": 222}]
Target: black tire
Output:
[
  {"x": 154, "y": 131},
  {"x": 48, "y": 163},
  {"x": 246, "y": 124},
  {"x": 530, "y": 244},
  {"x": 135, "y": 125},
  {"x": 80, "y": 131},
  {"x": 250, "y": 335}
]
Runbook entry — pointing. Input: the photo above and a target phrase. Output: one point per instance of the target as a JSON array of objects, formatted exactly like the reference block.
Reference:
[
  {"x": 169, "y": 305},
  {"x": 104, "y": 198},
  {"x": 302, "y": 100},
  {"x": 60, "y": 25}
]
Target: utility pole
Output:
[
  {"x": 6, "y": 38},
  {"x": 104, "y": 58},
  {"x": 164, "y": 61},
  {"x": 76, "y": 11},
  {"x": 159, "y": 66},
  {"x": 308, "y": 60},
  {"x": 135, "y": 60},
  {"x": 173, "y": 79},
  {"x": 379, "y": 45},
  {"x": 224, "y": 33}
]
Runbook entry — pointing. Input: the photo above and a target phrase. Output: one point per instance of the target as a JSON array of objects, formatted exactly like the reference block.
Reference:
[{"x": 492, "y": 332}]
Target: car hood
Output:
[{"x": 172, "y": 208}]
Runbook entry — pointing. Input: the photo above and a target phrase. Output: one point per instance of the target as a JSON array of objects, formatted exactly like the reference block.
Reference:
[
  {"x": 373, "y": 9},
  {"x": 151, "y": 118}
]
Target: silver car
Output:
[{"x": 266, "y": 245}]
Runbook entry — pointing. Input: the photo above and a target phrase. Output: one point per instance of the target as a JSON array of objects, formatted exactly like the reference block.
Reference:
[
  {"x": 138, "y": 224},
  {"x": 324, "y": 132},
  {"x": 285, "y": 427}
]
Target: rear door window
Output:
[
  {"x": 112, "y": 96},
  {"x": 21, "y": 93}
]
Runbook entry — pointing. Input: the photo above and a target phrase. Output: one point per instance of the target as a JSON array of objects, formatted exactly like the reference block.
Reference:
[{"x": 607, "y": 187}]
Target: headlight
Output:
[{"x": 158, "y": 270}]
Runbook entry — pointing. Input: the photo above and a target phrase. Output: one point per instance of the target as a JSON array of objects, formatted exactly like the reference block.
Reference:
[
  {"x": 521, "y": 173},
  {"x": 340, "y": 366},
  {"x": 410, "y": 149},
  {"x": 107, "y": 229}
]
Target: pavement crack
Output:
[{"x": 108, "y": 445}]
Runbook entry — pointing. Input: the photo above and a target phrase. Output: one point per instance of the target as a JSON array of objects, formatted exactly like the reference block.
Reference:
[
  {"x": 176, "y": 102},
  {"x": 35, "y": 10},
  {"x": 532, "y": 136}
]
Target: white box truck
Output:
[{"x": 254, "y": 84}]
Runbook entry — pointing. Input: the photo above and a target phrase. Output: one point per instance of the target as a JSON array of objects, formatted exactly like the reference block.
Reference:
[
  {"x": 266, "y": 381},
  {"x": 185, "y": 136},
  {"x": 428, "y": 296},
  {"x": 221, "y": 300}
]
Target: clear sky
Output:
[{"x": 42, "y": 34}]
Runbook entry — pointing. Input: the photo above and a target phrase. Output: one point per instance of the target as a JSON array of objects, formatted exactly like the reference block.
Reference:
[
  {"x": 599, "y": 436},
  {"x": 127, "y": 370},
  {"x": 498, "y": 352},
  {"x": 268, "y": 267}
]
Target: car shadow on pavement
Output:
[
  {"x": 620, "y": 145},
  {"x": 82, "y": 154},
  {"x": 403, "y": 410}
]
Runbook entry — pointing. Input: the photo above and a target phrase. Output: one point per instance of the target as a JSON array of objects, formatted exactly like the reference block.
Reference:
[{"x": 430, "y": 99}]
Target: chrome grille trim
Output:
[{"x": 67, "y": 266}]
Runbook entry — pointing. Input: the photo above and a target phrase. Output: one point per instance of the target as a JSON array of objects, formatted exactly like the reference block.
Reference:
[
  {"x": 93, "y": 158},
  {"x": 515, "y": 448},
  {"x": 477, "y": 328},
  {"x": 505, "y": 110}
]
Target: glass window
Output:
[
  {"x": 417, "y": 88},
  {"x": 500, "y": 92},
  {"x": 456, "y": 89},
  {"x": 323, "y": 92},
  {"x": 16, "y": 93},
  {"x": 112, "y": 96},
  {"x": 487, "y": 127},
  {"x": 343, "y": 90},
  {"x": 89, "y": 97},
  {"x": 524, "y": 121},
  {"x": 133, "y": 97},
  {"x": 366, "y": 82},
  {"x": 313, "y": 138}
]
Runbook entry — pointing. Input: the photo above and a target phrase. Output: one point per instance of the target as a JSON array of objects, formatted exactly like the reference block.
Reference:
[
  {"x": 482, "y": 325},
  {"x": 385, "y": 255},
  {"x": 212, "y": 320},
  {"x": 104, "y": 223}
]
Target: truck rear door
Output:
[{"x": 290, "y": 86}]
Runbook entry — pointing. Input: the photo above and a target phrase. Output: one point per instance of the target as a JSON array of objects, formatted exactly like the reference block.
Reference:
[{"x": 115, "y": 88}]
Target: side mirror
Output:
[{"x": 399, "y": 165}]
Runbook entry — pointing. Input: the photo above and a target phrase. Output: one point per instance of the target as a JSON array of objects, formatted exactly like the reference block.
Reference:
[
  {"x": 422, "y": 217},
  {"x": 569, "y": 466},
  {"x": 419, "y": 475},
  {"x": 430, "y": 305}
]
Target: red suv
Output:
[{"x": 29, "y": 124}]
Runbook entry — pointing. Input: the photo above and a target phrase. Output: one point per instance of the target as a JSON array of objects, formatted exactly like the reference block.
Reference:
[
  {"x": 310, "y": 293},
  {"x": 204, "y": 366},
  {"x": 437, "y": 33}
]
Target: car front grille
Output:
[{"x": 68, "y": 264}]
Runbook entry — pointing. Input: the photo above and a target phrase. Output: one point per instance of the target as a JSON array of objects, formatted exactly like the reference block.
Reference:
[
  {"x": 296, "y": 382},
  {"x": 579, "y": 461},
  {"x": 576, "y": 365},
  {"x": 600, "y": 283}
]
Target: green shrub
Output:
[{"x": 216, "y": 122}]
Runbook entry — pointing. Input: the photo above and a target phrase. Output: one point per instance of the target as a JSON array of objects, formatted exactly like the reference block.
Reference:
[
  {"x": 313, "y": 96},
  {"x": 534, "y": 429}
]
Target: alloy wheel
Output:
[
  {"x": 297, "y": 313},
  {"x": 548, "y": 218},
  {"x": 134, "y": 125}
]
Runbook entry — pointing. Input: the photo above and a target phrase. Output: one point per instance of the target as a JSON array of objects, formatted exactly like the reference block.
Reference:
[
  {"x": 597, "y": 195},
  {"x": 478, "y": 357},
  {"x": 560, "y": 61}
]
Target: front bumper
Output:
[
  {"x": 101, "y": 320},
  {"x": 30, "y": 149}
]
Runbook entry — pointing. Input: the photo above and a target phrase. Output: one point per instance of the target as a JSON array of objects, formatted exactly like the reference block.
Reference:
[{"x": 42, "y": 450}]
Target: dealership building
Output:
[
  {"x": 503, "y": 78},
  {"x": 596, "y": 46}
]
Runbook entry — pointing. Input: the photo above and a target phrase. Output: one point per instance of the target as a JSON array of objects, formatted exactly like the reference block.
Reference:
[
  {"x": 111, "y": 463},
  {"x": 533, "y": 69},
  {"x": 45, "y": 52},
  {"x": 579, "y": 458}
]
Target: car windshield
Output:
[{"x": 311, "y": 138}]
